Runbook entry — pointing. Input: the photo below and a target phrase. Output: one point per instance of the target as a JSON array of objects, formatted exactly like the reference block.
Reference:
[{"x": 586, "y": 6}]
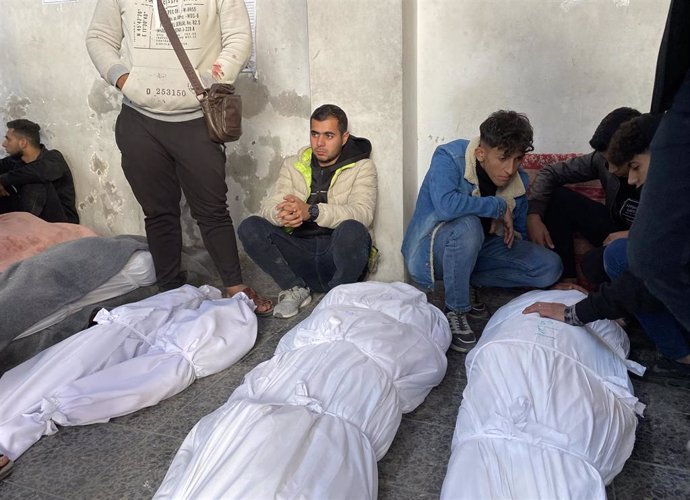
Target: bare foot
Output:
[
  {"x": 5, "y": 466},
  {"x": 264, "y": 306}
]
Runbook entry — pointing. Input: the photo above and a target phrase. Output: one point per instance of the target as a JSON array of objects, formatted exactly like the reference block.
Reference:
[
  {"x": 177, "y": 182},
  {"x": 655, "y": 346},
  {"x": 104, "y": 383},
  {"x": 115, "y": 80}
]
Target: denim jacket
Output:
[{"x": 450, "y": 190}]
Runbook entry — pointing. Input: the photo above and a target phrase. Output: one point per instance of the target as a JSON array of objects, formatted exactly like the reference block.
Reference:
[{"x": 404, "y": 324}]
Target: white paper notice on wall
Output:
[
  {"x": 59, "y": 1},
  {"x": 251, "y": 10}
]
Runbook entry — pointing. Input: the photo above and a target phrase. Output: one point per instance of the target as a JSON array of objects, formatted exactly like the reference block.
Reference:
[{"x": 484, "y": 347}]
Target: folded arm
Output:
[
  {"x": 579, "y": 169},
  {"x": 48, "y": 167}
]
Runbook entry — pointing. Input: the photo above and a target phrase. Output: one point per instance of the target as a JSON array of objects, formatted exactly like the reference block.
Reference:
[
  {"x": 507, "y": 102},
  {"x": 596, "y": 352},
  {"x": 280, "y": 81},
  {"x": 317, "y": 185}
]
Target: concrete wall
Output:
[
  {"x": 358, "y": 65},
  {"x": 564, "y": 63},
  {"x": 410, "y": 73}
]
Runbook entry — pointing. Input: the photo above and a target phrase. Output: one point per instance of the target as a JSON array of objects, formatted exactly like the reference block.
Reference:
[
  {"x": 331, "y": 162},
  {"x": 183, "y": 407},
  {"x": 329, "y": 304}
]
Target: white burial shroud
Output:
[
  {"x": 548, "y": 411},
  {"x": 137, "y": 355},
  {"x": 312, "y": 421}
]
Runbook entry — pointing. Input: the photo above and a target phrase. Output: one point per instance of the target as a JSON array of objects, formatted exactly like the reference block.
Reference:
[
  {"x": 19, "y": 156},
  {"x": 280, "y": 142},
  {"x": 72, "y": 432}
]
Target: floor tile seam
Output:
[
  {"x": 661, "y": 466},
  {"x": 33, "y": 490}
]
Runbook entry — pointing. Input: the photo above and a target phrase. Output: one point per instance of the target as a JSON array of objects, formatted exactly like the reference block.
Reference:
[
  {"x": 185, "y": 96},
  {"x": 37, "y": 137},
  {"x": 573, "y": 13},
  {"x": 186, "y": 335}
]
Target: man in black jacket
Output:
[
  {"x": 35, "y": 179},
  {"x": 555, "y": 212}
]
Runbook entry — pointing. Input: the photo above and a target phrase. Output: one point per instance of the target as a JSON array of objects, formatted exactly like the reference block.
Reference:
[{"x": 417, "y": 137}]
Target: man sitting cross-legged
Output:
[
  {"x": 470, "y": 219},
  {"x": 312, "y": 231}
]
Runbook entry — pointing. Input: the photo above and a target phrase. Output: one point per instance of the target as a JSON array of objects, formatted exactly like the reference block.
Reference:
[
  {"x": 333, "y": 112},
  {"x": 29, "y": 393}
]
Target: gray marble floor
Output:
[{"x": 128, "y": 457}]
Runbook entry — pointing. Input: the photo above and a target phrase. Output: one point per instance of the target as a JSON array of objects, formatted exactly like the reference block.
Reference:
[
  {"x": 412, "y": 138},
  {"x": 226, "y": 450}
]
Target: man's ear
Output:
[
  {"x": 480, "y": 153},
  {"x": 346, "y": 136}
]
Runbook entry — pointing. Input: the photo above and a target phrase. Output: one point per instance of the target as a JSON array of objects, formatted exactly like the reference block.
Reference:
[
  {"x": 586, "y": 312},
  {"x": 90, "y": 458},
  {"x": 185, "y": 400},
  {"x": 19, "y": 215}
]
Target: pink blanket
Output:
[{"x": 23, "y": 235}]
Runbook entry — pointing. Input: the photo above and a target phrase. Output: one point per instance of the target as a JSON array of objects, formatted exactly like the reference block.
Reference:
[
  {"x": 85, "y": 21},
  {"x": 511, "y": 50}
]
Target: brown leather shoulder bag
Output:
[{"x": 222, "y": 108}]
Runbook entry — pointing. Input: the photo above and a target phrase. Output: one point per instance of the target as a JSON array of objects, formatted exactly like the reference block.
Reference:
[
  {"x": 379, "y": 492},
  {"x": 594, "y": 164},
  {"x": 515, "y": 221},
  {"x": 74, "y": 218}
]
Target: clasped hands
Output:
[{"x": 292, "y": 212}]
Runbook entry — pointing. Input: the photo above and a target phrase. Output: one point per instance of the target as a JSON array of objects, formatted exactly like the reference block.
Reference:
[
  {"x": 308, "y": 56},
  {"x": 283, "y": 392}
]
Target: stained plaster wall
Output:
[
  {"x": 565, "y": 63},
  {"x": 47, "y": 76}
]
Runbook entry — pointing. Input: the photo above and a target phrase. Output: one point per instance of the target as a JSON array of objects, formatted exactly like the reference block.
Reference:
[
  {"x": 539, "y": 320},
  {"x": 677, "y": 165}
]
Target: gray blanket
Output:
[{"x": 38, "y": 286}]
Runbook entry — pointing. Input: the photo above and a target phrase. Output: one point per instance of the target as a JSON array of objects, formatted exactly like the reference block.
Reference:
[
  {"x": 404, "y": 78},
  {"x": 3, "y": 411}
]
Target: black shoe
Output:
[
  {"x": 464, "y": 338},
  {"x": 670, "y": 368},
  {"x": 479, "y": 309}
]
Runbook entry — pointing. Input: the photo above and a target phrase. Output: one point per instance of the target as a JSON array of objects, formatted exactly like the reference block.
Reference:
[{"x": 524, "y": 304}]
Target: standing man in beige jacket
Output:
[
  {"x": 313, "y": 230},
  {"x": 161, "y": 131}
]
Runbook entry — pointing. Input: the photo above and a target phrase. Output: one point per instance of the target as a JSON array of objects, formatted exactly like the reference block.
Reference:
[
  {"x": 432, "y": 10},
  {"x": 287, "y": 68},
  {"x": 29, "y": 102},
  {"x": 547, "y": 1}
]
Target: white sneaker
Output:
[{"x": 291, "y": 301}]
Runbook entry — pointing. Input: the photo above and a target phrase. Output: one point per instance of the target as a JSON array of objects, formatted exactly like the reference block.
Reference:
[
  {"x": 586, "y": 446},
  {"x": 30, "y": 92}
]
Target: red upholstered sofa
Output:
[{"x": 533, "y": 162}]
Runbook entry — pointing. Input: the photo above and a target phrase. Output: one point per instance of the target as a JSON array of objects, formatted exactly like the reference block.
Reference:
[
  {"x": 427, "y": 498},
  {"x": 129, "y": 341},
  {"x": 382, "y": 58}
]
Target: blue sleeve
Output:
[{"x": 450, "y": 201}]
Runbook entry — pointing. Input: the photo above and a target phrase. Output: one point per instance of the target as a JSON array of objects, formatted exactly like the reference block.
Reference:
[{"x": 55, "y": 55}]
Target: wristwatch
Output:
[{"x": 313, "y": 212}]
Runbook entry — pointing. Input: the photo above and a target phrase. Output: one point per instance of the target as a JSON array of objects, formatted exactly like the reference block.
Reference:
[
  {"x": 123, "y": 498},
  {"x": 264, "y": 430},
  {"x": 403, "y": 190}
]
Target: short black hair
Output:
[
  {"x": 509, "y": 131},
  {"x": 26, "y": 129},
  {"x": 331, "y": 110},
  {"x": 601, "y": 139},
  {"x": 633, "y": 138}
]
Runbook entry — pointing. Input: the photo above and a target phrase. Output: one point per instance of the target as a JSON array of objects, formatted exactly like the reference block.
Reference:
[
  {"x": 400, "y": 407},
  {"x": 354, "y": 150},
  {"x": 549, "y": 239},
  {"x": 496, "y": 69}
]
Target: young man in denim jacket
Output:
[{"x": 469, "y": 223}]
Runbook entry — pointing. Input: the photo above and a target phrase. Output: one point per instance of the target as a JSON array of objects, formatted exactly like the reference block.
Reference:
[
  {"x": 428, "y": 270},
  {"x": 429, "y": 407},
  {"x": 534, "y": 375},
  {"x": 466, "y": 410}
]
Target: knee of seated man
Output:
[
  {"x": 250, "y": 228},
  {"x": 353, "y": 229},
  {"x": 615, "y": 257},
  {"x": 468, "y": 229},
  {"x": 616, "y": 250},
  {"x": 33, "y": 197},
  {"x": 36, "y": 190},
  {"x": 548, "y": 269}
]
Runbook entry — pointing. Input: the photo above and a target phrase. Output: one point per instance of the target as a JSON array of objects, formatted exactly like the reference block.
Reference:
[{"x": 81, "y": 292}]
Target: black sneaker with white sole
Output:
[{"x": 464, "y": 338}]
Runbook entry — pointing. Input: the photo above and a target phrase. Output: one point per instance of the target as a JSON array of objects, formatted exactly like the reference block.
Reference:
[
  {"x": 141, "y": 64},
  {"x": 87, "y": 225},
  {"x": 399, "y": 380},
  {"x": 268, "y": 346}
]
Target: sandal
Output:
[
  {"x": 264, "y": 306},
  {"x": 5, "y": 469}
]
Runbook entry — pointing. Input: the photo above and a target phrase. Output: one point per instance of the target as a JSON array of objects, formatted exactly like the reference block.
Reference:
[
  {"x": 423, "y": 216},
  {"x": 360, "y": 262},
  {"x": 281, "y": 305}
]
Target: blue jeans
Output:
[
  {"x": 320, "y": 263},
  {"x": 667, "y": 333},
  {"x": 464, "y": 255}
]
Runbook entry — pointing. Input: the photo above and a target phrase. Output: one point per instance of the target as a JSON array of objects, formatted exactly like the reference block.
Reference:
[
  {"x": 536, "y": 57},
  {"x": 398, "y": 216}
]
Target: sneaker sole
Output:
[
  {"x": 461, "y": 349},
  {"x": 305, "y": 302},
  {"x": 475, "y": 314}
]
